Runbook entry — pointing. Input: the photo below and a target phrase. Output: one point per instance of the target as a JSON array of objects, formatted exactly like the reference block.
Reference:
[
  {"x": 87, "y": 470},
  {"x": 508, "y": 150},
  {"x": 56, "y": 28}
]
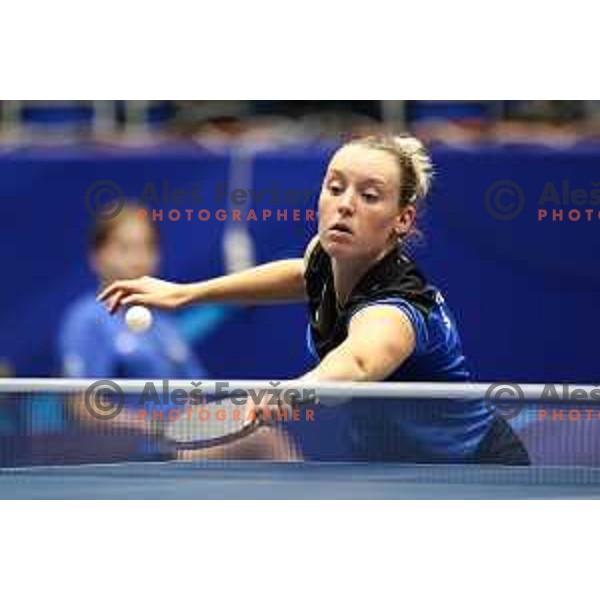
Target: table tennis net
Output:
[{"x": 53, "y": 421}]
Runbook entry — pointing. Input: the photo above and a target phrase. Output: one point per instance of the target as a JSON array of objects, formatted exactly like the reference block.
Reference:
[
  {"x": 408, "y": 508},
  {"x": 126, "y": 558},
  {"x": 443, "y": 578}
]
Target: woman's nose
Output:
[{"x": 346, "y": 202}]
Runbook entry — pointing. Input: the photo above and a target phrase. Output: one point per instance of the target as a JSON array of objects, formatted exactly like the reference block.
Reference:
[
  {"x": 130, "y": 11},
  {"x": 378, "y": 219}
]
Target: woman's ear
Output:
[{"x": 405, "y": 220}]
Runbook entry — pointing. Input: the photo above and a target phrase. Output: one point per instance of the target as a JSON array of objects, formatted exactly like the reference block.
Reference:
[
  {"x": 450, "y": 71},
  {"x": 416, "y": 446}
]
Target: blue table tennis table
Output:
[{"x": 252, "y": 480}]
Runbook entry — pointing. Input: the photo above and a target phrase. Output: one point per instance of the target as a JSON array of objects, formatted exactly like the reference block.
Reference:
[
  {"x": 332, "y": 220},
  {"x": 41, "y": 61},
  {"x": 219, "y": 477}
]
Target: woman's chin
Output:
[{"x": 339, "y": 249}]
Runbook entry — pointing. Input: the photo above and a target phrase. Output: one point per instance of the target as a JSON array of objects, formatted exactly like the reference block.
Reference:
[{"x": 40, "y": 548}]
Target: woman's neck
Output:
[{"x": 347, "y": 274}]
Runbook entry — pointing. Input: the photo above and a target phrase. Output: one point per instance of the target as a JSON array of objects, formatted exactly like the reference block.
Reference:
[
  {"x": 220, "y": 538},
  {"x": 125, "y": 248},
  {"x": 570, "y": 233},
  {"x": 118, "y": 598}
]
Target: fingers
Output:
[
  {"x": 115, "y": 302},
  {"x": 109, "y": 290},
  {"x": 132, "y": 299},
  {"x": 117, "y": 292},
  {"x": 126, "y": 285}
]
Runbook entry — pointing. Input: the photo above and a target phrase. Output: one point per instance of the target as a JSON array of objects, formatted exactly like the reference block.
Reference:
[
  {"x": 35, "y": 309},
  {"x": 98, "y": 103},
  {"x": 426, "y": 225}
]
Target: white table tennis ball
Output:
[{"x": 138, "y": 319}]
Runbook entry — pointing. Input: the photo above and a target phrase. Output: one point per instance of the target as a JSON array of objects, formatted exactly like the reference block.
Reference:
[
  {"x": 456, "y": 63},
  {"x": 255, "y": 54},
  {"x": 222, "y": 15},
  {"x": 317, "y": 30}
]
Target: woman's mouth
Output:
[{"x": 341, "y": 229}]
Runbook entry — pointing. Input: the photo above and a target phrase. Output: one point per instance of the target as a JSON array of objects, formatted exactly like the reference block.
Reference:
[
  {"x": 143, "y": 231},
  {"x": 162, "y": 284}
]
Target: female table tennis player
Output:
[{"x": 373, "y": 316}]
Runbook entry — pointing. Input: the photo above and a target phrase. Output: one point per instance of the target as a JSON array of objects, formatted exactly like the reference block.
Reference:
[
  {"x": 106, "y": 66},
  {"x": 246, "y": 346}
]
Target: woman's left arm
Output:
[{"x": 380, "y": 338}]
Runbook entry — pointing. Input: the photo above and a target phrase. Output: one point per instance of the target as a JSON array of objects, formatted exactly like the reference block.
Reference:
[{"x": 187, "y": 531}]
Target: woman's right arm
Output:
[{"x": 278, "y": 281}]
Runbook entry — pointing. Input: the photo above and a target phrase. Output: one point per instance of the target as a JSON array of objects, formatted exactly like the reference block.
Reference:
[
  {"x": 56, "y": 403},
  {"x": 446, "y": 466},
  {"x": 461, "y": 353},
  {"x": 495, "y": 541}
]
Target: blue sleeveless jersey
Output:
[{"x": 420, "y": 430}]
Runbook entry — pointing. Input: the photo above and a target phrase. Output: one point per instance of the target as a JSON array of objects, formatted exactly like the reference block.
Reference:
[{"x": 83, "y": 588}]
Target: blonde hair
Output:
[{"x": 416, "y": 168}]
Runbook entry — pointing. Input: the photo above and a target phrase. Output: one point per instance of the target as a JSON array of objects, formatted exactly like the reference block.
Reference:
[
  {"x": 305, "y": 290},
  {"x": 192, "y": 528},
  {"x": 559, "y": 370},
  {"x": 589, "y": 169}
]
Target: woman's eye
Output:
[
  {"x": 335, "y": 188},
  {"x": 370, "y": 197}
]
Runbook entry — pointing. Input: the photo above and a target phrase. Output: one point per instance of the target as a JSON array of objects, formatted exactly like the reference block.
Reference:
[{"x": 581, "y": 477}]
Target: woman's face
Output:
[
  {"x": 129, "y": 252},
  {"x": 359, "y": 215}
]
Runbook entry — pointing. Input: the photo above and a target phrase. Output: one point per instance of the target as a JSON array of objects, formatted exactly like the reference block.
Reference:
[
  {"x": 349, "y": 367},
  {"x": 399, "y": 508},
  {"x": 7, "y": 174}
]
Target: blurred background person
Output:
[{"x": 92, "y": 345}]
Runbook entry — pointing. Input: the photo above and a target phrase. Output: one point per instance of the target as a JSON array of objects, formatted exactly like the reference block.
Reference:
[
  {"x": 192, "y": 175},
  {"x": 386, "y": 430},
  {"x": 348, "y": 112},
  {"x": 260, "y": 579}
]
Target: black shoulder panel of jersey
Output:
[{"x": 395, "y": 275}]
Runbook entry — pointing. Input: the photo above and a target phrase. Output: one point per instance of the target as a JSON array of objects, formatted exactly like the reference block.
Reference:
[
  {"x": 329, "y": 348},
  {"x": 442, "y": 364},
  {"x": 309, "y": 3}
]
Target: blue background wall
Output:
[{"x": 525, "y": 292}]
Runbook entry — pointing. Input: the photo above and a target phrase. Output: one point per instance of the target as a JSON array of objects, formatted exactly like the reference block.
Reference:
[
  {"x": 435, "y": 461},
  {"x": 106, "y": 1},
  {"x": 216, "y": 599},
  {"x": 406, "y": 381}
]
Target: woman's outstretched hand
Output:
[{"x": 145, "y": 291}]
